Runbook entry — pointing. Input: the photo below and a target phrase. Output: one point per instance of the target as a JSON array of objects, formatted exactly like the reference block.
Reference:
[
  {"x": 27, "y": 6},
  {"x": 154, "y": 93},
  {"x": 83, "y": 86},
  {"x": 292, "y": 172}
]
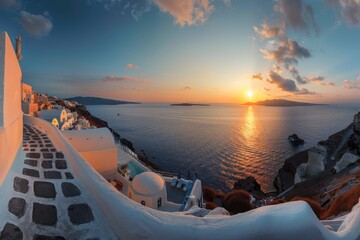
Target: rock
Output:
[
  {"x": 249, "y": 184},
  {"x": 285, "y": 178}
]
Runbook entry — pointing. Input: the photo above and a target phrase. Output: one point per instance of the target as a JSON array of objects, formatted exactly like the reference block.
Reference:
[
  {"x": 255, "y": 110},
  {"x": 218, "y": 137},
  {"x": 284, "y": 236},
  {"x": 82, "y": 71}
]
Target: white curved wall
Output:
[
  {"x": 130, "y": 220},
  {"x": 97, "y": 147},
  {"x": 11, "y": 122}
]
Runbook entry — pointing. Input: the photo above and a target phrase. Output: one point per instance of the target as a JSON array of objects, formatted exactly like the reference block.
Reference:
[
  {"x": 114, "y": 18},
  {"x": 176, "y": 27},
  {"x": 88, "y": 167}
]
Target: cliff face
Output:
[
  {"x": 334, "y": 147},
  {"x": 354, "y": 142},
  {"x": 332, "y": 181}
]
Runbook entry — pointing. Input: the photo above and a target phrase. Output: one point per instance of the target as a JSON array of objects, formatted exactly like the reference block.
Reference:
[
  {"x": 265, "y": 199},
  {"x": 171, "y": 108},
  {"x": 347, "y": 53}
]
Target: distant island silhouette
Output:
[
  {"x": 98, "y": 101},
  {"x": 282, "y": 103},
  {"x": 189, "y": 104}
]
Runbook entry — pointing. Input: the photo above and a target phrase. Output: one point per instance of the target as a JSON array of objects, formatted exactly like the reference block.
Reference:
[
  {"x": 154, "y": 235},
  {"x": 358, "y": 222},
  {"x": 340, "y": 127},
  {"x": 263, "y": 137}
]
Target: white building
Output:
[
  {"x": 42, "y": 100},
  {"x": 148, "y": 188},
  {"x": 28, "y": 104},
  {"x": 56, "y": 117}
]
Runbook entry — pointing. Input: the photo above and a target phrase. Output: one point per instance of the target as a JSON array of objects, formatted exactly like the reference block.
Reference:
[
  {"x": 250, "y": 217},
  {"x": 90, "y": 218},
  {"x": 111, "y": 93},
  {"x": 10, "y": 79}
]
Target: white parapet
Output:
[
  {"x": 11, "y": 122},
  {"x": 97, "y": 147}
]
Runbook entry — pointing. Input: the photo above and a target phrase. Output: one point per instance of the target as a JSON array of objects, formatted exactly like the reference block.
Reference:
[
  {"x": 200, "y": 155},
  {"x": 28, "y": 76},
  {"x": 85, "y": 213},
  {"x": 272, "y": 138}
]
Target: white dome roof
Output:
[{"x": 148, "y": 183}]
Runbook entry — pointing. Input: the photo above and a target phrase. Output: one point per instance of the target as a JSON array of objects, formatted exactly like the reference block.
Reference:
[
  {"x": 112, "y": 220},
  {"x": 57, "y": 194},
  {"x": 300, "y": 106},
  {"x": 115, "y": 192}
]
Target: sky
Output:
[{"x": 213, "y": 51}]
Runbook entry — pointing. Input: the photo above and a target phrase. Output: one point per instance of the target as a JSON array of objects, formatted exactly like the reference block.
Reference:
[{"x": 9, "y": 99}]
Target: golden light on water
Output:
[{"x": 249, "y": 127}]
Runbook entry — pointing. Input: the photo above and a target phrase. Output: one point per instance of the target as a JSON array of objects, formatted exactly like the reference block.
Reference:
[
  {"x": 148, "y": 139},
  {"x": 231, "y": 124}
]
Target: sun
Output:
[{"x": 250, "y": 93}]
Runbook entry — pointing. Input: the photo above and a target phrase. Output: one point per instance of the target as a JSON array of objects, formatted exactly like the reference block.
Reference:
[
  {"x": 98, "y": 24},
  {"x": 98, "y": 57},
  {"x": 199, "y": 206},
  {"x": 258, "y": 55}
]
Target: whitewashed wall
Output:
[{"x": 11, "y": 121}]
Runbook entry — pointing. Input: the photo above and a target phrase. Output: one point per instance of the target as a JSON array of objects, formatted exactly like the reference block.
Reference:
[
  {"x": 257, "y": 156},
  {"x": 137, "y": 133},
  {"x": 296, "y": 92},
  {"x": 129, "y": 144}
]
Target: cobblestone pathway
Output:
[{"x": 46, "y": 202}]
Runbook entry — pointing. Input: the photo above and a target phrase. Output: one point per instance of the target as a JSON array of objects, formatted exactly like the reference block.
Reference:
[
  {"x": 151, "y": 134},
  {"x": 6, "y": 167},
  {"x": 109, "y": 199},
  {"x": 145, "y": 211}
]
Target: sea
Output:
[{"x": 222, "y": 143}]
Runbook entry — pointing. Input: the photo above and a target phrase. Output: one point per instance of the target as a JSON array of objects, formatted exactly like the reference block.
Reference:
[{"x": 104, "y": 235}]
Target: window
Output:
[
  {"x": 143, "y": 203},
  {"x": 159, "y": 202}
]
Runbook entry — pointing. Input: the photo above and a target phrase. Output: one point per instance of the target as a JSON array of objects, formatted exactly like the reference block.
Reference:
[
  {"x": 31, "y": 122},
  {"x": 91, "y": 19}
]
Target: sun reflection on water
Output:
[{"x": 249, "y": 126}]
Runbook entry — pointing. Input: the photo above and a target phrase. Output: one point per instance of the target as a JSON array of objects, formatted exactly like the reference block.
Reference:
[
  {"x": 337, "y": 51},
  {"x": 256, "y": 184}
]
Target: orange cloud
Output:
[
  {"x": 131, "y": 66},
  {"x": 271, "y": 32},
  {"x": 257, "y": 76},
  {"x": 186, "y": 12}
]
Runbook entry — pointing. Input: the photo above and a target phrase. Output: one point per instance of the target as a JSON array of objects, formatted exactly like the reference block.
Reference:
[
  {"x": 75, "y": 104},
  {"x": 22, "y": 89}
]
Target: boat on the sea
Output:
[{"x": 295, "y": 140}]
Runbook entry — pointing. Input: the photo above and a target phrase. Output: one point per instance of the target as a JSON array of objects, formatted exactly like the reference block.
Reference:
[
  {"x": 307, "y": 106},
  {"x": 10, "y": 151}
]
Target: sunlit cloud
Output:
[
  {"x": 36, "y": 25},
  {"x": 124, "y": 79},
  {"x": 355, "y": 84},
  {"x": 265, "y": 31},
  {"x": 258, "y": 76},
  {"x": 286, "y": 51},
  {"x": 186, "y": 12},
  {"x": 320, "y": 80},
  {"x": 131, "y": 66}
]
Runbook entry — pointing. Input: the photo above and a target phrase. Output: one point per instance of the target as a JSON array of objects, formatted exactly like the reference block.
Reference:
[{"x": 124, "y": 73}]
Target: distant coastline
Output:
[
  {"x": 189, "y": 104},
  {"x": 98, "y": 101},
  {"x": 282, "y": 103}
]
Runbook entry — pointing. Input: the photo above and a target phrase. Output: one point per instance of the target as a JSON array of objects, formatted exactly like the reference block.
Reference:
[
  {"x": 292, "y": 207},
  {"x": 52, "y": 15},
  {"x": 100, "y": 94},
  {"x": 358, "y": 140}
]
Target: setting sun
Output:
[{"x": 250, "y": 93}]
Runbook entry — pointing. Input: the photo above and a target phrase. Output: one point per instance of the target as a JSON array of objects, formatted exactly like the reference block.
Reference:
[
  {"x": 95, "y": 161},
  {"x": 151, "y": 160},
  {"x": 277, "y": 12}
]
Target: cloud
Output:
[
  {"x": 352, "y": 84},
  {"x": 320, "y": 80},
  {"x": 316, "y": 79},
  {"x": 227, "y": 3},
  {"x": 328, "y": 84},
  {"x": 295, "y": 73},
  {"x": 36, "y": 25},
  {"x": 131, "y": 66},
  {"x": 186, "y": 12},
  {"x": 135, "y": 8},
  {"x": 112, "y": 78},
  {"x": 349, "y": 10},
  {"x": 296, "y": 15},
  {"x": 186, "y": 88},
  {"x": 277, "y": 69},
  {"x": 286, "y": 51},
  {"x": 258, "y": 76},
  {"x": 287, "y": 85},
  {"x": 305, "y": 91},
  {"x": 10, "y": 4},
  {"x": 282, "y": 83},
  {"x": 271, "y": 32}
]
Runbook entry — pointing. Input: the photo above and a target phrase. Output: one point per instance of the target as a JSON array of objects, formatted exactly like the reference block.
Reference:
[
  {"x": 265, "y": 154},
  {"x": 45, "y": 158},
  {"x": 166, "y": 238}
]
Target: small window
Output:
[
  {"x": 159, "y": 202},
  {"x": 143, "y": 203}
]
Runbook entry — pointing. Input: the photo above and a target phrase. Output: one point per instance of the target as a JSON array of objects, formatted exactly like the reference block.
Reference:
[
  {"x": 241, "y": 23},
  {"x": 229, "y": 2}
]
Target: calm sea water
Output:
[{"x": 223, "y": 143}]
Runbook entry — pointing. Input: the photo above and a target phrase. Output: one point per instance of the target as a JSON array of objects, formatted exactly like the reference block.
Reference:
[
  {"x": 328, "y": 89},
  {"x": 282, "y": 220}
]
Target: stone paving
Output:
[{"x": 48, "y": 199}]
